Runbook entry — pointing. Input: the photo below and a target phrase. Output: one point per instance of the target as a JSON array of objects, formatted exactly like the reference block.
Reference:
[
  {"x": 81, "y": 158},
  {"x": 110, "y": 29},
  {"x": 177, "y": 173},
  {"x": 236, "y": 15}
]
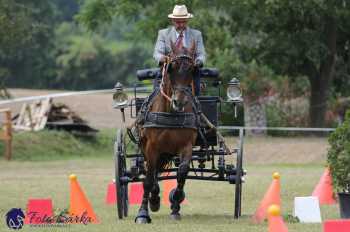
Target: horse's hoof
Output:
[
  {"x": 176, "y": 196},
  {"x": 175, "y": 216},
  {"x": 142, "y": 220},
  {"x": 154, "y": 204},
  {"x": 143, "y": 217}
]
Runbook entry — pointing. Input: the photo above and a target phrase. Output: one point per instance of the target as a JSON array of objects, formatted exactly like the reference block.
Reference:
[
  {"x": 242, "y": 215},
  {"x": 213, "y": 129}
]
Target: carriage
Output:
[{"x": 210, "y": 154}]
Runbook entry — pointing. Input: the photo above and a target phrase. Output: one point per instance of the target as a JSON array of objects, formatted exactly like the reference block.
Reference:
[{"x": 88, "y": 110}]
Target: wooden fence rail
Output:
[{"x": 6, "y": 132}]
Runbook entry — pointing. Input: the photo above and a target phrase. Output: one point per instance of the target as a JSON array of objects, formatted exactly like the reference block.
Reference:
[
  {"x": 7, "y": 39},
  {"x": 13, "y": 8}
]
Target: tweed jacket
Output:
[{"x": 163, "y": 46}]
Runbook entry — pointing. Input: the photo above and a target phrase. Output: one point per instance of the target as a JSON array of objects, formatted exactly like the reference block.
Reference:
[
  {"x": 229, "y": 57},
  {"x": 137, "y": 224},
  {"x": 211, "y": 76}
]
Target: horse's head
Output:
[{"x": 181, "y": 72}]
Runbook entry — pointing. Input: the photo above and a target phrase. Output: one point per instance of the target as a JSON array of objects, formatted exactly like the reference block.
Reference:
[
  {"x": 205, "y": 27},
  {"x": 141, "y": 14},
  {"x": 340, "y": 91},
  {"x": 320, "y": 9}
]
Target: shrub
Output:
[{"x": 338, "y": 156}]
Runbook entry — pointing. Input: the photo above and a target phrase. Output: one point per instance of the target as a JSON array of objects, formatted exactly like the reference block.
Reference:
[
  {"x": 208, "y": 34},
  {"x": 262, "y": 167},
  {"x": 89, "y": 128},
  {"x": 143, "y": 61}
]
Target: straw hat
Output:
[{"x": 180, "y": 12}]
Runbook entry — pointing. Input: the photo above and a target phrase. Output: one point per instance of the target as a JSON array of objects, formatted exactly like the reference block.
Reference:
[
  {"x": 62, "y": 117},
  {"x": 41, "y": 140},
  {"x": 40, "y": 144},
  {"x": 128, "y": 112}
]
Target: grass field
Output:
[{"x": 210, "y": 206}]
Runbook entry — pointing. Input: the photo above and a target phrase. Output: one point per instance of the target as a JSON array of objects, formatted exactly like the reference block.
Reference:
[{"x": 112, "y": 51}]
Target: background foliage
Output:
[
  {"x": 42, "y": 46},
  {"x": 266, "y": 43},
  {"x": 256, "y": 39}
]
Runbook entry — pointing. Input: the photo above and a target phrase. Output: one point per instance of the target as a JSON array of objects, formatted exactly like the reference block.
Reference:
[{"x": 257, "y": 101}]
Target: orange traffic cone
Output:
[
  {"x": 276, "y": 223},
  {"x": 324, "y": 189},
  {"x": 111, "y": 196},
  {"x": 272, "y": 196},
  {"x": 80, "y": 208},
  {"x": 169, "y": 185}
]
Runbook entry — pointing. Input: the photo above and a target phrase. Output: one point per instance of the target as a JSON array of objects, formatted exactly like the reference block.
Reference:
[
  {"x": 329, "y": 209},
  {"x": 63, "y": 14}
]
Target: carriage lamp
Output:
[
  {"x": 234, "y": 92},
  {"x": 120, "y": 99}
]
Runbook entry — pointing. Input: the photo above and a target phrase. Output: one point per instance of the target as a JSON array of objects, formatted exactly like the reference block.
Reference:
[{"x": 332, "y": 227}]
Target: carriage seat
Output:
[
  {"x": 148, "y": 74},
  {"x": 152, "y": 73}
]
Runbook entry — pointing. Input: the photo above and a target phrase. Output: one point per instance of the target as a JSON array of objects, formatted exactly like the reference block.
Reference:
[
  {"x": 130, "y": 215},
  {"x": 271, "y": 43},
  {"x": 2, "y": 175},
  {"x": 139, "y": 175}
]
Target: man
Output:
[{"x": 182, "y": 36}]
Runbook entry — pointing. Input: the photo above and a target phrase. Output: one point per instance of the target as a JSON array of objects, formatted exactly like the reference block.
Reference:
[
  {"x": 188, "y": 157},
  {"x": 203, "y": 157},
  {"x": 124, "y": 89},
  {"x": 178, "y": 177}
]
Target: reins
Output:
[{"x": 164, "y": 73}]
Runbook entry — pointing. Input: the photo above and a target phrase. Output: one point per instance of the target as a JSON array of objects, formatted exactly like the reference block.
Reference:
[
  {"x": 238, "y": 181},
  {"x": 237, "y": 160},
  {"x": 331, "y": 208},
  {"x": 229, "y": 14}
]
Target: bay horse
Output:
[{"x": 160, "y": 144}]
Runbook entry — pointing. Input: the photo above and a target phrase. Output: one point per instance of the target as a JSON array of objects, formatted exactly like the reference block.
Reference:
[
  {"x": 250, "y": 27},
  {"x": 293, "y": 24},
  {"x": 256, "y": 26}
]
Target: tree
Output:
[
  {"x": 15, "y": 31},
  {"x": 87, "y": 61},
  {"x": 304, "y": 38},
  {"x": 27, "y": 35},
  {"x": 294, "y": 38},
  {"x": 65, "y": 9}
]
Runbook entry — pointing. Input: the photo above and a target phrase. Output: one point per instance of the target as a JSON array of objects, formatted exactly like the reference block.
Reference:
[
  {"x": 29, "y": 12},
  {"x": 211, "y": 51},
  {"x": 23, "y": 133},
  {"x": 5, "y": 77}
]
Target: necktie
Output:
[{"x": 179, "y": 41}]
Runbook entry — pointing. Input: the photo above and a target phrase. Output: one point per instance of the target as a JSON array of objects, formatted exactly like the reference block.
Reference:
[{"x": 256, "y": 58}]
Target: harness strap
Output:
[
  {"x": 164, "y": 73},
  {"x": 170, "y": 120},
  {"x": 192, "y": 84}
]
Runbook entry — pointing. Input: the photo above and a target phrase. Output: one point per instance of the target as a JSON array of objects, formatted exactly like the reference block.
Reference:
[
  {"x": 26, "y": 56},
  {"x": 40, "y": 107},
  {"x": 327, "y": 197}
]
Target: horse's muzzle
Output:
[
  {"x": 180, "y": 98},
  {"x": 178, "y": 106}
]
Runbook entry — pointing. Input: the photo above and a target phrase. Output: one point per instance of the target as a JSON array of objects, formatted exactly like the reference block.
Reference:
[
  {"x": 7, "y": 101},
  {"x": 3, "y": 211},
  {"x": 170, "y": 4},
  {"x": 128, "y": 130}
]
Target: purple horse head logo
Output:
[{"x": 15, "y": 218}]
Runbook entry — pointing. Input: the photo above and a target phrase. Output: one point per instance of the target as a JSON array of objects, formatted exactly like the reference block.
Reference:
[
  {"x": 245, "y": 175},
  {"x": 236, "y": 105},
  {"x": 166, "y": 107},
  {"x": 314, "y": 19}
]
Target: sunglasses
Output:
[{"x": 180, "y": 21}]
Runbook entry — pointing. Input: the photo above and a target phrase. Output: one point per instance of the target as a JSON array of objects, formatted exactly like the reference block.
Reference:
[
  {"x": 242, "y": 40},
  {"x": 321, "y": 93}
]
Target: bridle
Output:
[{"x": 168, "y": 61}]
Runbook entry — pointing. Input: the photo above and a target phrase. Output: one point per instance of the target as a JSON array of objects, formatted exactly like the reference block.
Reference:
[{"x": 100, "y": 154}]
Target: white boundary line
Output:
[
  {"x": 277, "y": 128},
  {"x": 68, "y": 94}
]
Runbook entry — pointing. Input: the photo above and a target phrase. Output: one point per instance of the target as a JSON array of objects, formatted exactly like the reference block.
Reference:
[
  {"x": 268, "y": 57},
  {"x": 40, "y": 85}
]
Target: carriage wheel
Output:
[
  {"x": 239, "y": 174},
  {"x": 120, "y": 172}
]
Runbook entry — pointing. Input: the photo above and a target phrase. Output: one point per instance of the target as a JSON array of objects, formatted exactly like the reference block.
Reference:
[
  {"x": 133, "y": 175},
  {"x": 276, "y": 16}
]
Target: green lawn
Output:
[
  {"x": 48, "y": 145},
  {"x": 210, "y": 206}
]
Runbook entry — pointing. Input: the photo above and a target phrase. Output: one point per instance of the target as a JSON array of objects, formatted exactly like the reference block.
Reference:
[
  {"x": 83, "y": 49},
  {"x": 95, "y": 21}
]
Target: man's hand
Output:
[
  {"x": 162, "y": 60},
  {"x": 198, "y": 64}
]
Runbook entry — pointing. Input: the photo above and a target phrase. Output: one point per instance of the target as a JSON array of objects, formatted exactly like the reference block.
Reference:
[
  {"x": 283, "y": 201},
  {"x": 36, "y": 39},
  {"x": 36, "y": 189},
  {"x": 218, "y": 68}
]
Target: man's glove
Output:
[{"x": 198, "y": 64}]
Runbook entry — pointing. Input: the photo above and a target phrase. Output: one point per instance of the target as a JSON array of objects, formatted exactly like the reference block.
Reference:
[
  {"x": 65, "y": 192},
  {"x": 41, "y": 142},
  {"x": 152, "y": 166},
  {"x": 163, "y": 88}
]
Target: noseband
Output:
[{"x": 184, "y": 89}]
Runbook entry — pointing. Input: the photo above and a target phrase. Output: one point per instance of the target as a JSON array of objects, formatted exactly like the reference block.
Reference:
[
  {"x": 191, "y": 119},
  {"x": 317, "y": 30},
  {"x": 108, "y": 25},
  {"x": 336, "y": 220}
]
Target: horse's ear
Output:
[
  {"x": 173, "y": 47},
  {"x": 192, "y": 50}
]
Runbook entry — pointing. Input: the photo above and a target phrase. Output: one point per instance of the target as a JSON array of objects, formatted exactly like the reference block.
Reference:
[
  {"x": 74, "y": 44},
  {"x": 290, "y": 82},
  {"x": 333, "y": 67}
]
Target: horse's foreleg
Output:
[
  {"x": 143, "y": 215},
  {"x": 177, "y": 195},
  {"x": 154, "y": 200}
]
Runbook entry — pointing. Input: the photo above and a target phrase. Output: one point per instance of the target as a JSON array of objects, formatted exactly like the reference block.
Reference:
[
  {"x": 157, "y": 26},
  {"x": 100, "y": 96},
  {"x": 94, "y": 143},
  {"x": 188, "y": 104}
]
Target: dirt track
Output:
[{"x": 97, "y": 110}]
